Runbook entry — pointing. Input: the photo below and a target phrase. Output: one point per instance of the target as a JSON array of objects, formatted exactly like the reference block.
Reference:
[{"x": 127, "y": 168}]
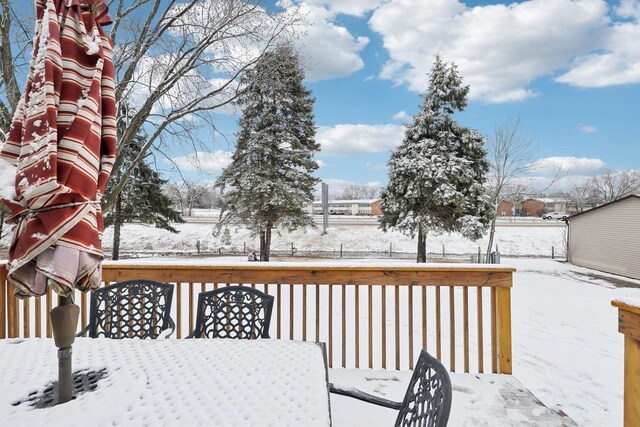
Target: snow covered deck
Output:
[
  {"x": 478, "y": 400},
  {"x": 234, "y": 382}
]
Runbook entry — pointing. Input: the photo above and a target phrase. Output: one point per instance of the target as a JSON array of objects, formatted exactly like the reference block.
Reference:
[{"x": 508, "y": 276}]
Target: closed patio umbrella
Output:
[{"x": 62, "y": 146}]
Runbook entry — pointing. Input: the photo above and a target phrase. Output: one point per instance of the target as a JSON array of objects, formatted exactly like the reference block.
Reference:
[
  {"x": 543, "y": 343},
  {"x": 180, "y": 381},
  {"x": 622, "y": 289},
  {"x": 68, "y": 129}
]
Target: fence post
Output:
[
  {"x": 340, "y": 250},
  {"x": 479, "y": 256},
  {"x": 503, "y": 329},
  {"x": 444, "y": 255},
  {"x": 244, "y": 248},
  {"x": 552, "y": 253},
  {"x": 198, "y": 245},
  {"x": 629, "y": 325},
  {"x": 390, "y": 249},
  {"x": 292, "y": 249}
]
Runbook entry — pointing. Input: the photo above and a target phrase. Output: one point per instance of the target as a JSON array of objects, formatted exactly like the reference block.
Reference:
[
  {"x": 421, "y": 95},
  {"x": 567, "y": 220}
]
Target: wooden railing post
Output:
[
  {"x": 3, "y": 302},
  {"x": 629, "y": 325},
  {"x": 503, "y": 321}
]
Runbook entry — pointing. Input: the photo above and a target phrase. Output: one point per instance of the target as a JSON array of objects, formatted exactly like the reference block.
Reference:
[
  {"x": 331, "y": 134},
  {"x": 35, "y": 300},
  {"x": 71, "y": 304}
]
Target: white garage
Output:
[{"x": 607, "y": 238}]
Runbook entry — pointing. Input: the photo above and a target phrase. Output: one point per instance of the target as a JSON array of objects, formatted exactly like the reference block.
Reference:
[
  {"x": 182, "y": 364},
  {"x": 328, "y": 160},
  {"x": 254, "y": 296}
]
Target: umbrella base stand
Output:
[{"x": 64, "y": 321}]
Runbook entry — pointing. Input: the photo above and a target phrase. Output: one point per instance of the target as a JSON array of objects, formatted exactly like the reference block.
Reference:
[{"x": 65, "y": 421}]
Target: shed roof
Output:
[{"x": 630, "y": 196}]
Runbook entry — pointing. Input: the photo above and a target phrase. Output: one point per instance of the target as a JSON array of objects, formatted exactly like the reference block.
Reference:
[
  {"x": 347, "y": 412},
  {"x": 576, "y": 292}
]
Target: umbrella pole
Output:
[{"x": 64, "y": 321}]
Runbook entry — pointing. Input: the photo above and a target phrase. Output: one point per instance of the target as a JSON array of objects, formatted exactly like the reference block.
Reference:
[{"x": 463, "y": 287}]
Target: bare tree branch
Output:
[{"x": 511, "y": 159}]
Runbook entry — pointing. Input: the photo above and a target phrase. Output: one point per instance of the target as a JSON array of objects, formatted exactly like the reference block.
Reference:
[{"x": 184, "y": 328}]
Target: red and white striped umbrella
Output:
[{"x": 62, "y": 145}]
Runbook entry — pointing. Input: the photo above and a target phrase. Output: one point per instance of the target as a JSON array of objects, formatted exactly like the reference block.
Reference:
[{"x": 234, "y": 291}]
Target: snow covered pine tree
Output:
[
  {"x": 269, "y": 182},
  {"x": 436, "y": 175}
]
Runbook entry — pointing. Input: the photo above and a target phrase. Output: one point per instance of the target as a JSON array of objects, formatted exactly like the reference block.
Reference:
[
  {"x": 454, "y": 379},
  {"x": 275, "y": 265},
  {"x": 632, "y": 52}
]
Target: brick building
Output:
[
  {"x": 505, "y": 208},
  {"x": 532, "y": 207}
]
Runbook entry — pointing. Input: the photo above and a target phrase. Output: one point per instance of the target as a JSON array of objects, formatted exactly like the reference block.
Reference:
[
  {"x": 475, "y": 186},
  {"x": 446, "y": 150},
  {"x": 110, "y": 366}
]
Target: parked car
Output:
[{"x": 555, "y": 215}]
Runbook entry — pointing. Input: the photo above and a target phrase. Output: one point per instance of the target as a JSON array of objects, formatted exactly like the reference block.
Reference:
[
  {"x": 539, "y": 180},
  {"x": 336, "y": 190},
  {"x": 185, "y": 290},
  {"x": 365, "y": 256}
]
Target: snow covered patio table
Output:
[{"x": 172, "y": 382}]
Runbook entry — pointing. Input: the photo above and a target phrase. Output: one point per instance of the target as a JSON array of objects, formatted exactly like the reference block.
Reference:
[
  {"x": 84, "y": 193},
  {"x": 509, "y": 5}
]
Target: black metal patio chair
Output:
[
  {"x": 427, "y": 402},
  {"x": 238, "y": 312},
  {"x": 131, "y": 309}
]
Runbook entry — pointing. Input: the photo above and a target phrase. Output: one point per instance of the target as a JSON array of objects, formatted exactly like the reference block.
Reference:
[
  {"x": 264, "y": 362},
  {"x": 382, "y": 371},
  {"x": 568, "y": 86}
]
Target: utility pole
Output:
[{"x": 325, "y": 207}]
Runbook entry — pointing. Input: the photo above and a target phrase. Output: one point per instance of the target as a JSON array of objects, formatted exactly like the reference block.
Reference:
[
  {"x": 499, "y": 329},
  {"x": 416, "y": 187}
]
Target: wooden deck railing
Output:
[
  {"x": 377, "y": 316},
  {"x": 629, "y": 325}
]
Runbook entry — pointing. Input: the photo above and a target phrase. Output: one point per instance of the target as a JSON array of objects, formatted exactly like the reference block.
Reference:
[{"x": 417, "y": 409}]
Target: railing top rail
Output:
[
  {"x": 309, "y": 273},
  {"x": 378, "y": 266},
  {"x": 630, "y": 304},
  {"x": 307, "y": 266}
]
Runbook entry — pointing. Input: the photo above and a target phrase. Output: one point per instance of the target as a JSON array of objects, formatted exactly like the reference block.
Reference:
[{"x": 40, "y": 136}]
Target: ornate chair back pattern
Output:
[
  {"x": 131, "y": 309},
  {"x": 428, "y": 399},
  {"x": 233, "y": 312}
]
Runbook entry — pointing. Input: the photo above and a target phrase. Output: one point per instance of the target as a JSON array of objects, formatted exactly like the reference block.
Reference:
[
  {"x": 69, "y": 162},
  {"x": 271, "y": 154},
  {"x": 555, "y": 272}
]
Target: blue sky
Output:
[{"x": 568, "y": 69}]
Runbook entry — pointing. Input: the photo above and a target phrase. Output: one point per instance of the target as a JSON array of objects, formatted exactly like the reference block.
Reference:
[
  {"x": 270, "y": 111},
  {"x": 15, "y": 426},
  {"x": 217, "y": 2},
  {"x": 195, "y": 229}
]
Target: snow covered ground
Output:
[
  {"x": 566, "y": 346},
  {"x": 511, "y": 241}
]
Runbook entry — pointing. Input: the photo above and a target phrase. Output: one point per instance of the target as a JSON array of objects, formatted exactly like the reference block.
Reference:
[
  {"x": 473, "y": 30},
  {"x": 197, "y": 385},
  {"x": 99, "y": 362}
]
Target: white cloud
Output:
[
  {"x": 616, "y": 63},
  {"x": 321, "y": 164},
  {"x": 499, "y": 48},
  {"x": 329, "y": 50},
  {"x": 588, "y": 128},
  {"x": 376, "y": 166},
  {"x": 337, "y": 186},
  {"x": 570, "y": 165},
  {"x": 352, "y": 139},
  {"x": 628, "y": 9},
  {"x": 348, "y": 7},
  {"x": 203, "y": 161},
  {"x": 402, "y": 116}
]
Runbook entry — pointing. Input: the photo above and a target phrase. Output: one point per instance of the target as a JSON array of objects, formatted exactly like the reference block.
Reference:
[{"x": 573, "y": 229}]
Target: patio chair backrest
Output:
[
  {"x": 427, "y": 402},
  {"x": 233, "y": 312},
  {"x": 131, "y": 309}
]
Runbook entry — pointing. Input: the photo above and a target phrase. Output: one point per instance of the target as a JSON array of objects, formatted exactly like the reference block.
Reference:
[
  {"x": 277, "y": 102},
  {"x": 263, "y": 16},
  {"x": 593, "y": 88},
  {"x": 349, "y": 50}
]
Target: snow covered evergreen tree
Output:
[
  {"x": 436, "y": 175},
  {"x": 268, "y": 183},
  {"x": 141, "y": 200}
]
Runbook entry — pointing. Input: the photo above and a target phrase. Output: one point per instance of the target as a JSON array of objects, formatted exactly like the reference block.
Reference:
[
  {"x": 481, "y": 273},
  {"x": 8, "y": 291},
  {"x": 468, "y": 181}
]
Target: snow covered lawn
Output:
[{"x": 512, "y": 241}]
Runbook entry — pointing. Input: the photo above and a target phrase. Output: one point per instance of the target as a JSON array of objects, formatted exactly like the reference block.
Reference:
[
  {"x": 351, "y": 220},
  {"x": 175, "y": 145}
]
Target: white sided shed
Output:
[{"x": 607, "y": 238}]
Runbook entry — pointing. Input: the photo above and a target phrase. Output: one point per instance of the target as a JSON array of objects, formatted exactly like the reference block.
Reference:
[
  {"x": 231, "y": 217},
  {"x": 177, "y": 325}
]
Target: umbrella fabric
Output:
[{"x": 62, "y": 144}]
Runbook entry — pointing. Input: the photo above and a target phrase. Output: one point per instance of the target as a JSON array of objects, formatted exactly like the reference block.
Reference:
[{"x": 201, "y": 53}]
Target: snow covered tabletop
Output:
[
  {"x": 479, "y": 400},
  {"x": 172, "y": 382}
]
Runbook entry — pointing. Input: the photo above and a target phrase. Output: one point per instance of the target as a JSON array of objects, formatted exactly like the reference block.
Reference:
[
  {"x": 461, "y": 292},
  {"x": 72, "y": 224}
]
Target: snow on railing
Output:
[{"x": 370, "y": 315}]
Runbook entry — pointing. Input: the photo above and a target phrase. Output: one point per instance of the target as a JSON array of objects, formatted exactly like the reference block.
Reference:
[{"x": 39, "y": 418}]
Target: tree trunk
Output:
[
  {"x": 117, "y": 222},
  {"x": 262, "y": 240},
  {"x": 492, "y": 232},
  {"x": 267, "y": 243},
  {"x": 422, "y": 246}
]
